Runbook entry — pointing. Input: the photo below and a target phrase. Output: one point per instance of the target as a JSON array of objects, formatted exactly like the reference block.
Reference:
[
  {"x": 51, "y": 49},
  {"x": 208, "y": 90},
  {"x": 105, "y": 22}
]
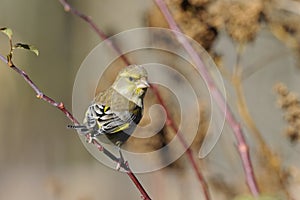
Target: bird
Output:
[{"x": 115, "y": 112}]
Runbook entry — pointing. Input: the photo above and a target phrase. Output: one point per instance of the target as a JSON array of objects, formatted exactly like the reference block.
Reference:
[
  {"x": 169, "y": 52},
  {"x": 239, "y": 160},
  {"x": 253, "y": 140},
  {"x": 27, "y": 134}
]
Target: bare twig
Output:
[
  {"x": 125, "y": 166},
  {"x": 273, "y": 163},
  {"x": 170, "y": 122},
  {"x": 290, "y": 6},
  {"x": 39, "y": 93},
  {"x": 68, "y": 114},
  {"x": 189, "y": 152},
  {"x": 218, "y": 97},
  {"x": 90, "y": 22},
  {"x": 251, "y": 69}
]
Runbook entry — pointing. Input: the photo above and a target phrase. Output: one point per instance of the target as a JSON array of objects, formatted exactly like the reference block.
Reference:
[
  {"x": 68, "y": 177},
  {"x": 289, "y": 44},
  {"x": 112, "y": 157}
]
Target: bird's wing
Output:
[{"x": 108, "y": 122}]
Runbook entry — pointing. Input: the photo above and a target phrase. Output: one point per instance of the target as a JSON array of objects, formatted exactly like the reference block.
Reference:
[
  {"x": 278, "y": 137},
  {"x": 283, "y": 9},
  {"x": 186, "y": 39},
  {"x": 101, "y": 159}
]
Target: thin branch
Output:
[
  {"x": 218, "y": 97},
  {"x": 90, "y": 22},
  {"x": 189, "y": 152},
  {"x": 39, "y": 93},
  {"x": 273, "y": 163},
  {"x": 125, "y": 166},
  {"x": 290, "y": 6},
  {"x": 263, "y": 63},
  {"x": 68, "y": 114},
  {"x": 170, "y": 121}
]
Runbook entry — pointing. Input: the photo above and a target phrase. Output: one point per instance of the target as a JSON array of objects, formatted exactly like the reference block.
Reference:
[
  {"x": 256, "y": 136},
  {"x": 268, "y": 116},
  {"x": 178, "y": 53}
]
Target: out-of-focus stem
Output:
[
  {"x": 243, "y": 148},
  {"x": 102, "y": 35},
  {"x": 94, "y": 27},
  {"x": 189, "y": 152},
  {"x": 273, "y": 161}
]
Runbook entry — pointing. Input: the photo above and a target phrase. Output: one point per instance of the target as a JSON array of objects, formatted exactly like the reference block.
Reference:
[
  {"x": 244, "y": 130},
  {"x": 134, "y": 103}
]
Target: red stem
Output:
[
  {"x": 184, "y": 144},
  {"x": 99, "y": 32},
  {"x": 68, "y": 114},
  {"x": 145, "y": 196},
  {"x": 218, "y": 97},
  {"x": 125, "y": 166},
  {"x": 102, "y": 35},
  {"x": 39, "y": 93}
]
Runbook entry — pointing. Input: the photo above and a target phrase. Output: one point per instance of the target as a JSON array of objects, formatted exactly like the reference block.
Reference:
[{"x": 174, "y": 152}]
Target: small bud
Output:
[
  {"x": 61, "y": 105},
  {"x": 168, "y": 122},
  {"x": 67, "y": 8},
  {"x": 39, "y": 96}
]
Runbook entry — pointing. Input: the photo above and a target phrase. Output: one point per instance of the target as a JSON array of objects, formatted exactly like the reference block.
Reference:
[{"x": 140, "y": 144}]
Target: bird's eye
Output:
[{"x": 130, "y": 78}]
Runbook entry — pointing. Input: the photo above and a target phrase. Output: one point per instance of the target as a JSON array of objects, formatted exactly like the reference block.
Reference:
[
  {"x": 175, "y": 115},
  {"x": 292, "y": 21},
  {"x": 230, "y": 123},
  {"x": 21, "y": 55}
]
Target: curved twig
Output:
[
  {"x": 243, "y": 148},
  {"x": 102, "y": 35},
  {"x": 61, "y": 107}
]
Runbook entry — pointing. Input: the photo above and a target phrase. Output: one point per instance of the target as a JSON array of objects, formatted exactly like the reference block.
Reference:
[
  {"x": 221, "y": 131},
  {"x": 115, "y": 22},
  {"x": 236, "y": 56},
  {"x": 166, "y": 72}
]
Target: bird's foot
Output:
[
  {"x": 118, "y": 167},
  {"x": 91, "y": 138},
  {"x": 121, "y": 161}
]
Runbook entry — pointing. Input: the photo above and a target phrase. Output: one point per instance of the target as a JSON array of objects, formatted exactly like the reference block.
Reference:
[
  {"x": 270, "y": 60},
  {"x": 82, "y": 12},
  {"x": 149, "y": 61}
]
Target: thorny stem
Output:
[
  {"x": 39, "y": 93},
  {"x": 218, "y": 97},
  {"x": 68, "y": 114},
  {"x": 102, "y": 35}
]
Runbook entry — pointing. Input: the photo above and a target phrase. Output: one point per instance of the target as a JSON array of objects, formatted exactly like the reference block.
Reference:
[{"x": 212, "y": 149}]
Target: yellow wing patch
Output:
[
  {"x": 106, "y": 108},
  {"x": 121, "y": 128}
]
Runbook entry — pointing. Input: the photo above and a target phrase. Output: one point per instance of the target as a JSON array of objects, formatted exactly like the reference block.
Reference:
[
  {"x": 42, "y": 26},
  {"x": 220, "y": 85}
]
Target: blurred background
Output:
[{"x": 255, "y": 45}]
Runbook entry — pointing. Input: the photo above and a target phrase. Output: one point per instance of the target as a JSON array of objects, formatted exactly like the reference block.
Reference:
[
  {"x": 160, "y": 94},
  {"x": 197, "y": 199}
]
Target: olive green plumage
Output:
[{"x": 115, "y": 112}]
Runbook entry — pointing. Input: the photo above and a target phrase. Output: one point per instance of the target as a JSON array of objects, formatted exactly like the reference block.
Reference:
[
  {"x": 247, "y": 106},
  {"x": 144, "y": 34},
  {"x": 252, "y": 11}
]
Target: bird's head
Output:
[{"x": 132, "y": 83}]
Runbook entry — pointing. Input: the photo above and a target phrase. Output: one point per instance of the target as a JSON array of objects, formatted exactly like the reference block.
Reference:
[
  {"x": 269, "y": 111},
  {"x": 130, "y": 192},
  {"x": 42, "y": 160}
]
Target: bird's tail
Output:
[
  {"x": 76, "y": 126},
  {"x": 81, "y": 128}
]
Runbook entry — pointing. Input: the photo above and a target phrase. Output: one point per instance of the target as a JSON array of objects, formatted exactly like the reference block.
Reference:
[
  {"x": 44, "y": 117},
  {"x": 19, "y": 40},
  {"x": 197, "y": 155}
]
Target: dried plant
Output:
[
  {"x": 289, "y": 102},
  {"x": 205, "y": 21}
]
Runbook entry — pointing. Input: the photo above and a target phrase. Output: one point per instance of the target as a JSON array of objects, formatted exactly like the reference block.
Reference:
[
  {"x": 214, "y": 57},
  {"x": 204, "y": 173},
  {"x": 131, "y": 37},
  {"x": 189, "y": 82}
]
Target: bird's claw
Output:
[
  {"x": 118, "y": 167},
  {"x": 91, "y": 138},
  {"x": 121, "y": 161}
]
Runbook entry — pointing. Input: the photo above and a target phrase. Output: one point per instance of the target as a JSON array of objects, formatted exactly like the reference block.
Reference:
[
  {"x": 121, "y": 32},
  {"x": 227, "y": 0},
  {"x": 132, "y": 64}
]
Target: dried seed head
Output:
[
  {"x": 289, "y": 102},
  {"x": 242, "y": 20}
]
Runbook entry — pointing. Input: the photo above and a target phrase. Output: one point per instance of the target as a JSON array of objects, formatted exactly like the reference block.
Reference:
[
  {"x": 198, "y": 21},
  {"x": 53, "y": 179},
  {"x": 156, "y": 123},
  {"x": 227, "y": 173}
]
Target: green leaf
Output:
[
  {"x": 7, "y": 31},
  {"x": 26, "y": 47}
]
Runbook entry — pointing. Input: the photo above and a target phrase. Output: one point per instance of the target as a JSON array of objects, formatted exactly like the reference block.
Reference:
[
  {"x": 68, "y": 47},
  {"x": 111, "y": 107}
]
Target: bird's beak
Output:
[{"x": 143, "y": 83}]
